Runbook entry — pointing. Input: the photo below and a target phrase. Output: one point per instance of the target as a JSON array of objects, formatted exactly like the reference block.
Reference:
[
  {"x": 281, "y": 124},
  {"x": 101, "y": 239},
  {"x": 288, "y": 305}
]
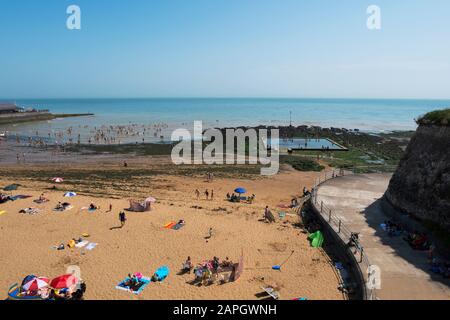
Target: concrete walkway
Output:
[{"x": 404, "y": 271}]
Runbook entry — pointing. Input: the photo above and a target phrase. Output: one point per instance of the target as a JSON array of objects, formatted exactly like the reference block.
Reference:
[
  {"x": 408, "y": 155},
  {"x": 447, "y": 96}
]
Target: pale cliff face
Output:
[{"x": 421, "y": 184}]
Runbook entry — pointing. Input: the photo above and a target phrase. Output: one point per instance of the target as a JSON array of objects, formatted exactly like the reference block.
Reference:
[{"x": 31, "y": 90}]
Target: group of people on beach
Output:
[
  {"x": 208, "y": 195},
  {"x": 108, "y": 135},
  {"x": 207, "y": 271}
]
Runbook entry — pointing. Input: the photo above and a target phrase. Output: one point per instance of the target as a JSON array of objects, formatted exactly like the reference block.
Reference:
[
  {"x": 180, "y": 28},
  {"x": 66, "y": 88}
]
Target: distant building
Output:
[{"x": 9, "y": 108}]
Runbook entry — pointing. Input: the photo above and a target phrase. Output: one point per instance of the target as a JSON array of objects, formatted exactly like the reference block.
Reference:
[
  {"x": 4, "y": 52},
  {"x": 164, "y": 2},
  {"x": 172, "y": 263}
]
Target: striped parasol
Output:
[{"x": 36, "y": 284}]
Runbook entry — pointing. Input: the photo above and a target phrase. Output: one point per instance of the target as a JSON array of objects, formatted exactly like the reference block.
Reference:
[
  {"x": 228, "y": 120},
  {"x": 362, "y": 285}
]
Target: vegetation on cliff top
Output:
[{"x": 437, "y": 117}]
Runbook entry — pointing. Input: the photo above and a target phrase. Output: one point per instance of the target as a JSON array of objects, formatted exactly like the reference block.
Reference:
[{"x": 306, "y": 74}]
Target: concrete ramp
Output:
[{"x": 405, "y": 275}]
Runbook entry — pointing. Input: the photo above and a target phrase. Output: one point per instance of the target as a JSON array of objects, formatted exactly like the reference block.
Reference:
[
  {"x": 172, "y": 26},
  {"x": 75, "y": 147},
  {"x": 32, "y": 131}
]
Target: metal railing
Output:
[{"x": 341, "y": 230}]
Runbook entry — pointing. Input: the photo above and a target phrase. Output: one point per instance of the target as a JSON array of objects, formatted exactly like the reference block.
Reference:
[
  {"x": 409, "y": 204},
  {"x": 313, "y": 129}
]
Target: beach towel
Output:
[
  {"x": 65, "y": 208},
  {"x": 91, "y": 246},
  {"x": 40, "y": 201},
  {"x": 161, "y": 273},
  {"x": 19, "y": 197},
  {"x": 71, "y": 244},
  {"x": 82, "y": 244},
  {"x": 143, "y": 282},
  {"x": 30, "y": 211},
  {"x": 271, "y": 292},
  {"x": 169, "y": 225},
  {"x": 282, "y": 214},
  {"x": 178, "y": 226},
  {"x": 2, "y": 212}
]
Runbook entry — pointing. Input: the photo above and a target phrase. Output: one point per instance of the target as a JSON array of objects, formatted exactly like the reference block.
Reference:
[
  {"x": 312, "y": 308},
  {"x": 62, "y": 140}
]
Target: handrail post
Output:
[
  {"x": 321, "y": 206},
  {"x": 340, "y": 223},
  {"x": 329, "y": 217},
  {"x": 362, "y": 253}
]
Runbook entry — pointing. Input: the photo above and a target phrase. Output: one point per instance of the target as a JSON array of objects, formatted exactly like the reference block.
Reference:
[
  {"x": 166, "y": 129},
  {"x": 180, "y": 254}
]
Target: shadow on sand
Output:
[{"x": 374, "y": 216}]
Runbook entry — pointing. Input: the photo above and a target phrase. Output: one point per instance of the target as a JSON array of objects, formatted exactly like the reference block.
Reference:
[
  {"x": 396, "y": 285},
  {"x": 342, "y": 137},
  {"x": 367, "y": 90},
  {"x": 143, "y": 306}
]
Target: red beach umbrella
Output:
[
  {"x": 36, "y": 284},
  {"x": 57, "y": 180},
  {"x": 64, "y": 281}
]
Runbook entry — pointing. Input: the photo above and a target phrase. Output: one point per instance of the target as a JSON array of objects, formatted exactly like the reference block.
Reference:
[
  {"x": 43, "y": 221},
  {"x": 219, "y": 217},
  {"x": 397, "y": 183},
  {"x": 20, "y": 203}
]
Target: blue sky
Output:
[{"x": 225, "y": 48}]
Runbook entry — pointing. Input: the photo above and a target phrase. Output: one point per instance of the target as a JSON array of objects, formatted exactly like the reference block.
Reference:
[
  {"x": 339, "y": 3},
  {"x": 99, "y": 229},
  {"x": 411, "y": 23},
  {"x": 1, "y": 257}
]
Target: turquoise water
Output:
[{"x": 363, "y": 114}]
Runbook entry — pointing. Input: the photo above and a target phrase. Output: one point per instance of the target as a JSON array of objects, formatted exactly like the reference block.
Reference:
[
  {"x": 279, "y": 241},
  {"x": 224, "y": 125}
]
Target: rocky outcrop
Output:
[{"x": 421, "y": 185}]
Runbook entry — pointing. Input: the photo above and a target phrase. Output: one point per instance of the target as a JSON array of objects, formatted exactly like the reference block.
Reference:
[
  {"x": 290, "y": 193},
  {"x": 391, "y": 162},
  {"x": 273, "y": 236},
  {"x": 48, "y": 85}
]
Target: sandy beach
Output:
[{"x": 143, "y": 244}]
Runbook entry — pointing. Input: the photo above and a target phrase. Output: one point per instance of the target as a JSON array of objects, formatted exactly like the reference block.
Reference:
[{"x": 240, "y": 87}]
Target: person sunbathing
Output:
[
  {"x": 132, "y": 282},
  {"x": 92, "y": 206}
]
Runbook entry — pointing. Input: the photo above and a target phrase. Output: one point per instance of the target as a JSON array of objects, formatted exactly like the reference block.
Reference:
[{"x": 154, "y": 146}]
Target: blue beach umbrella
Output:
[
  {"x": 70, "y": 194},
  {"x": 240, "y": 190}
]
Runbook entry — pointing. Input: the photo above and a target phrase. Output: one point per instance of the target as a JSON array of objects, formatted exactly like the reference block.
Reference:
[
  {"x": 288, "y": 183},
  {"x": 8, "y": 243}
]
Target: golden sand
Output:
[{"x": 143, "y": 245}]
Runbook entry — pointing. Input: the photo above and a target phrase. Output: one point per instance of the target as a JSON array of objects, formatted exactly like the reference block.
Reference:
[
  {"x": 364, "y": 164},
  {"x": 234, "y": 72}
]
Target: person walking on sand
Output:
[
  {"x": 110, "y": 207},
  {"x": 212, "y": 194},
  {"x": 207, "y": 194},
  {"x": 197, "y": 193},
  {"x": 122, "y": 218}
]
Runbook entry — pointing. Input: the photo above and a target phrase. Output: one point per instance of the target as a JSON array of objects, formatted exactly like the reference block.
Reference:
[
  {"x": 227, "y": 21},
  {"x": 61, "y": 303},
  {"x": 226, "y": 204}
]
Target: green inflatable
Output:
[{"x": 316, "y": 239}]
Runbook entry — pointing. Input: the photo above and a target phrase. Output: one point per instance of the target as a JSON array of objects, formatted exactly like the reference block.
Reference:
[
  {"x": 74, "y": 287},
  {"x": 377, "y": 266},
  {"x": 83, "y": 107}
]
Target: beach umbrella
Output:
[
  {"x": 240, "y": 190},
  {"x": 57, "y": 180},
  {"x": 64, "y": 281},
  {"x": 36, "y": 284},
  {"x": 11, "y": 187},
  {"x": 150, "y": 199},
  {"x": 70, "y": 194}
]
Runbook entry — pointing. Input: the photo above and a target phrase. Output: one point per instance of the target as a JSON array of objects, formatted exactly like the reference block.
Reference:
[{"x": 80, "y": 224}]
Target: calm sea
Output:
[{"x": 364, "y": 114}]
